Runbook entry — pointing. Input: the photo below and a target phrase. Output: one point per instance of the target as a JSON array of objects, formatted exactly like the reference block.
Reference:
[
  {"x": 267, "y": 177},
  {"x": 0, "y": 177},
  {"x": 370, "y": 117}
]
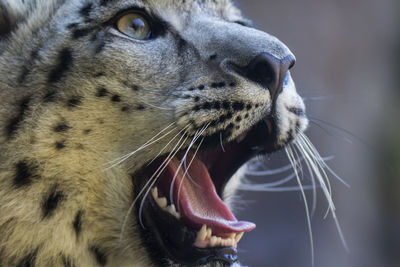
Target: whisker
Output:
[
  {"x": 154, "y": 106},
  {"x": 280, "y": 169},
  {"x": 343, "y": 130},
  {"x": 220, "y": 140},
  {"x": 314, "y": 159},
  {"x": 144, "y": 188},
  {"x": 292, "y": 160},
  {"x": 318, "y": 98},
  {"x": 163, "y": 149},
  {"x": 148, "y": 143},
  {"x": 164, "y": 164},
  {"x": 196, "y": 136}
]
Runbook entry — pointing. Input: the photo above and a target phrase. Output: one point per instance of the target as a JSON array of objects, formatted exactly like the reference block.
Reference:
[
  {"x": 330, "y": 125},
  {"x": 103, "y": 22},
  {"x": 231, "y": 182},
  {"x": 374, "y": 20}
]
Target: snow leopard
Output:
[{"x": 124, "y": 124}]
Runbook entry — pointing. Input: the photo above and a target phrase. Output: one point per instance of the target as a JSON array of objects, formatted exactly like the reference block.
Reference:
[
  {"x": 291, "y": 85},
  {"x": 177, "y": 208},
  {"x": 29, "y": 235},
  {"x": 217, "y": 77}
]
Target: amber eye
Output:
[{"x": 135, "y": 26}]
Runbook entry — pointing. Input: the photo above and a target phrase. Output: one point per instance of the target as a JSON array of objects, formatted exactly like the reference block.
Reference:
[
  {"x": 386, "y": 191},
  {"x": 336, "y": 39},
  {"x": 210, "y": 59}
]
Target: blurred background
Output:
[{"x": 348, "y": 66}]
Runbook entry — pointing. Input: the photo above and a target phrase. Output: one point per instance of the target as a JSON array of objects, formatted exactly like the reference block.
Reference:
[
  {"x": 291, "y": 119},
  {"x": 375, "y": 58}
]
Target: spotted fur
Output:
[{"x": 76, "y": 95}]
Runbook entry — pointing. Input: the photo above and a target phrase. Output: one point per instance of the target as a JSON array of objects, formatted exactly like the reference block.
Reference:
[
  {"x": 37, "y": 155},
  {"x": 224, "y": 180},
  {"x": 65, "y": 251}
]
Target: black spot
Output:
[
  {"x": 64, "y": 64},
  {"x": 78, "y": 33},
  {"x": 105, "y": 2},
  {"x": 50, "y": 97},
  {"x": 74, "y": 101},
  {"x": 51, "y": 202},
  {"x": 60, "y": 145},
  {"x": 229, "y": 115},
  {"x": 217, "y": 105},
  {"x": 197, "y": 108},
  {"x": 212, "y": 57},
  {"x": 221, "y": 84},
  {"x": 191, "y": 89},
  {"x": 61, "y": 127},
  {"x": 100, "y": 256},
  {"x": 135, "y": 88},
  {"x": 140, "y": 107},
  {"x": 218, "y": 85},
  {"x": 247, "y": 116},
  {"x": 77, "y": 223},
  {"x": 15, "y": 122},
  {"x": 100, "y": 47},
  {"x": 226, "y": 105},
  {"x": 237, "y": 127},
  {"x": 201, "y": 87},
  {"x": 290, "y": 136},
  {"x": 24, "y": 73},
  {"x": 197, "y": 99},
  {"x": 29, "y": 260},
  {"x": 297, "y": 127},
  {"x": 72, "y": 26},
  {"x": 85, "y": 10},
  {"x": 116, "y": 98},
  {"x": 98, "y": 74},
  {"x": 230, "y": 126},
  {"x": 249, "y": 106},
  {"x": 222, "y": 119},
  {"x": 101, "y": 92},
  {"x": 232, "y": 84},
  {"x": 238, "y": 118},
  {"x": 238, "y": 106},
  {"x": 24, "y": 173},
  {"x": 125, "y": 109},
  {"x": 87, "y": 131},
  {"x": 257, "y": 105},
  {"x": 207, "y": 105},
  {"x": 68, "y": 262}
]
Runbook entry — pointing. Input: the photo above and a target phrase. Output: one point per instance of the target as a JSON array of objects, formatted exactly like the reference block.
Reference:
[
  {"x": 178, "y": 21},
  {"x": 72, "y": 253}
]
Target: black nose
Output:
[{"x": 269, "y": 72}]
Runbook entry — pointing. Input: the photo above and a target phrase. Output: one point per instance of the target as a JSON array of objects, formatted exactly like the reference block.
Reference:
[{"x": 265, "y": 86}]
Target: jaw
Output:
[{"x": 181, "y": 211}]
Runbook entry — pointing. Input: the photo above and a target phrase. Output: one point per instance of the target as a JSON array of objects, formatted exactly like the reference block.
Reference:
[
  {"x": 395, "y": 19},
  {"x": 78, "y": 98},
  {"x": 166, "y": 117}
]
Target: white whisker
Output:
[
  {"x": 196, "y": 136},
  {"x": 292, "y": 160},
  {"x": 147, "y": 185},
  {"x": 316, "y": 163},
  {"x": 220, "y": 140},
  {"x": 158, "y": 172},
  {"x": 148, "y": 143}
]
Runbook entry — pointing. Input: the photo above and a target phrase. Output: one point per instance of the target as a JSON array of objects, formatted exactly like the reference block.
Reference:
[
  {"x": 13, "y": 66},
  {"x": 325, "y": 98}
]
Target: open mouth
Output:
[{"x": 184, "y": 217}]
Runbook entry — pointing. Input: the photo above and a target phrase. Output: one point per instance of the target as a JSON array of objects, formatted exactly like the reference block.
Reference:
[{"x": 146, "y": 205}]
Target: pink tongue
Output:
[{"x": 198, "y": 201}]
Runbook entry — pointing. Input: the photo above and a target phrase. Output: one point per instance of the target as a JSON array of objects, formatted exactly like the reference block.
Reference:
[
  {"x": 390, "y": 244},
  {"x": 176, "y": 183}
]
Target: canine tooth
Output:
[
  {"x": 154, "y": 192},
  {"x": 213, "y": 241},
  {"x": 162, "y": 202},
  {"x": 209, "y": 232},
  {"x": 239, "y": 236},
  {"x": 219, "y": 241},
  {"x": 202, "y": 234}
]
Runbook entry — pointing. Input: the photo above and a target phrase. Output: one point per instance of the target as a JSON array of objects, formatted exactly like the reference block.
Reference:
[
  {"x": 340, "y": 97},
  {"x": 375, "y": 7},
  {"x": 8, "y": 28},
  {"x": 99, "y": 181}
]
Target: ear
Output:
[{"x": 10, "y": 16}]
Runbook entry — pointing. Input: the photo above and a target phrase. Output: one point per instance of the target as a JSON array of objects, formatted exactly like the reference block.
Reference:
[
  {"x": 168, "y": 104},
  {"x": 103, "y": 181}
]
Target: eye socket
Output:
[{"x": 135, "y": 26}]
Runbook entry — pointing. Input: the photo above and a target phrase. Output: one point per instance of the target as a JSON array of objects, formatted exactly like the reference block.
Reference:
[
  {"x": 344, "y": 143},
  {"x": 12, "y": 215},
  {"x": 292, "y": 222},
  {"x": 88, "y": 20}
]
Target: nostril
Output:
[
  {"x": 268, "y": 71},
  {"x": 263, "y": 69}
]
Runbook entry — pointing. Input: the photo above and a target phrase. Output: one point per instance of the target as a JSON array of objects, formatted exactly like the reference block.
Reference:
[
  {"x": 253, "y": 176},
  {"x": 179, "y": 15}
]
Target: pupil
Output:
[{"x": 138, "y": 24}]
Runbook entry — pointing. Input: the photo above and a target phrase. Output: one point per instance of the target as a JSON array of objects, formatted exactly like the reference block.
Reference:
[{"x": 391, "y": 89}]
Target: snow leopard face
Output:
[{"x": 123, "y": 124}]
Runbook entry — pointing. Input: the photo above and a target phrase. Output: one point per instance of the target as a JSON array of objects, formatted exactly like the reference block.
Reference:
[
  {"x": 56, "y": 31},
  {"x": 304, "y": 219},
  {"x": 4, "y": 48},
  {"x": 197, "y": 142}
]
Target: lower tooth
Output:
[
  {"x": 213, "y": 241},
  {"x": 239, "y": 236},
  {"x": 162, "y": 202}
]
